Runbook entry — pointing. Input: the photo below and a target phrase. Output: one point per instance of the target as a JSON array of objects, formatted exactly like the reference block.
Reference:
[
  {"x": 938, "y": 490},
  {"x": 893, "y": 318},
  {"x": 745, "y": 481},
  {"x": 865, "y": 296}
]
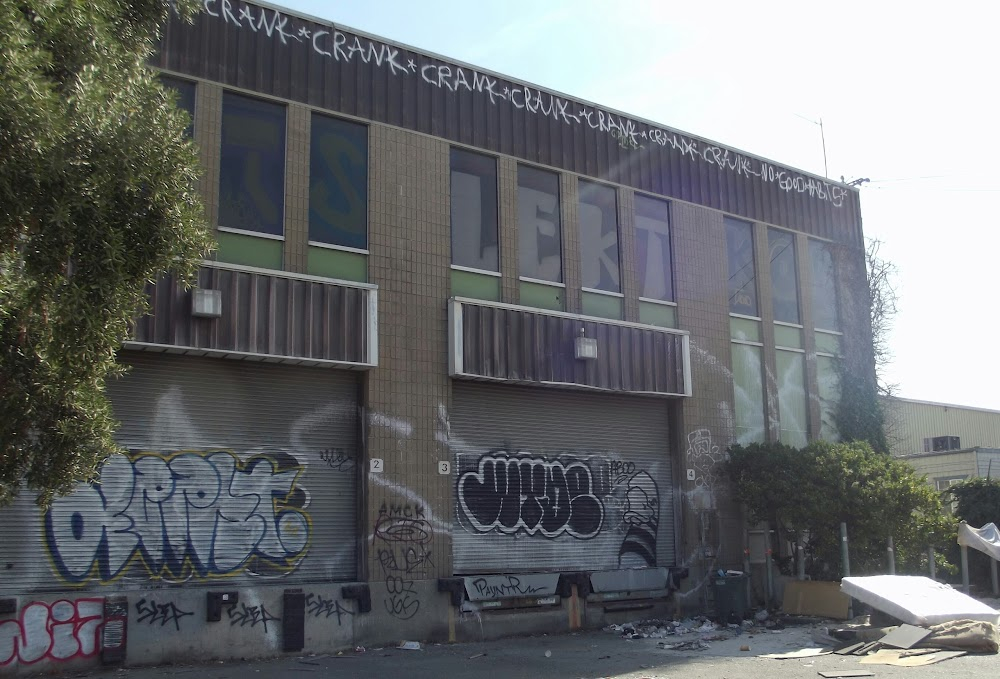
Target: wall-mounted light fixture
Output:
[
  {"x": 206, "y": 303},
  {"x": 586, "y": 347}
]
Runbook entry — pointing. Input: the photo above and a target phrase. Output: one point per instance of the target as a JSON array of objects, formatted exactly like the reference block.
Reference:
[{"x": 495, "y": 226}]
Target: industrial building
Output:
[{"x": 465, "y": 363}]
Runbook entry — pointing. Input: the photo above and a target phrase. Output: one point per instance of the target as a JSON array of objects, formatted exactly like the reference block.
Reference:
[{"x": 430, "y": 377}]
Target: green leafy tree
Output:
[
  {"x": 977, "y": 501},
  {"x": 811, "y": 491},
  {"x": 97, "y": 197}
]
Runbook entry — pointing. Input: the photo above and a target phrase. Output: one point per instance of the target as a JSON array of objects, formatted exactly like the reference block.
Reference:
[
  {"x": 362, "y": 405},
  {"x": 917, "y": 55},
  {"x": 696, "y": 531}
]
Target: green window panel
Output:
[
  {"x": 828, "y": 379},
  {"x": 604, "y": 306},
  {"x": 475, "y": 285},
  {"x": 347, "y": 266},
  {"x": 744, "y": 329},
  {"x": 543, "y": 296},
  {"x": 237, "y": 248},
  {"x": 785, "y": 336},
  {"x": 663, "y": 315}
]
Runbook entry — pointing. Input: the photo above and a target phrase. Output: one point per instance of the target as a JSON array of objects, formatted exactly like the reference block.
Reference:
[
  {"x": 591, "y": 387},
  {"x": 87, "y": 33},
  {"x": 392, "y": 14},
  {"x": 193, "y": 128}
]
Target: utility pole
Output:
[{"x": 822, "y": 136}]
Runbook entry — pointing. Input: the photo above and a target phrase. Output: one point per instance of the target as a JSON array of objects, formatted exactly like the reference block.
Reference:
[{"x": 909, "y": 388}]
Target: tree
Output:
[
  {"x": 884, "y": 298},
  {"x": 97, "y": 197},
  {"x": 811, "y": 491}
]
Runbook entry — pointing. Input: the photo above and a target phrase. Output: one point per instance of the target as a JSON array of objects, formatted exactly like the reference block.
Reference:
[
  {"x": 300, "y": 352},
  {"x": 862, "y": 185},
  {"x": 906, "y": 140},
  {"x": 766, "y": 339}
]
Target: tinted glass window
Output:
[
  {"x": 784, "y": 276},
  {"x": 742, "y": 273},
  {"x": 539, "y": 233},
  {"x": 824, "y": 286},
  {"x": 474, "y": 211},
  {"x": 252, "y": 166},
  {"x": 185, "y": 97},
  {"x": 652, "y": 229},
  {"x": 338, "y": 183},
  {"x": 599, "y": 237}
]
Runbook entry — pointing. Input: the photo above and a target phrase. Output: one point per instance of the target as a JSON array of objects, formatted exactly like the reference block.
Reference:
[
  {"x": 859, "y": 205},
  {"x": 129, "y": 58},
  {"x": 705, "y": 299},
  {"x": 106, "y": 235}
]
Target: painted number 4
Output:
[
  {"x": 376, "y": 466},
  {"x": 444, "y": 467}
]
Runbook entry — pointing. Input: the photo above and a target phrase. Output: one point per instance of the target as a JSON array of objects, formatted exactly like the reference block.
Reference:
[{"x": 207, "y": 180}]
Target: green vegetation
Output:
[
  {"x": 98, "y": 196},
  {"x": 812, "y": 490}
]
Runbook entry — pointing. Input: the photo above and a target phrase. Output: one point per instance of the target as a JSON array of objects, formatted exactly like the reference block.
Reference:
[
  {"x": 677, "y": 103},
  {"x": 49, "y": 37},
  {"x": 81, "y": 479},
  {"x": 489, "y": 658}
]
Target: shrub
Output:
[{"x": 812, "y": 490}]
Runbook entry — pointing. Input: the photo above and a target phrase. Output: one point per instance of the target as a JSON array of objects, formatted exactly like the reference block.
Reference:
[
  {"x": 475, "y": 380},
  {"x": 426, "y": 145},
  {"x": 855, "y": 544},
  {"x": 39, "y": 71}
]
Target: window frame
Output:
[
  {"x": 612, "y": 191},
  {"x": 491, "y": 197},
  {"x": 365, "y": 197}
]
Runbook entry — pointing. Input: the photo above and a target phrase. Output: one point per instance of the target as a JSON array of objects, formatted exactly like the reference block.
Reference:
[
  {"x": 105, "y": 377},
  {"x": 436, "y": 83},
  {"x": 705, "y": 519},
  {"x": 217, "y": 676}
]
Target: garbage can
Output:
[{"x": 730, "y": 593}]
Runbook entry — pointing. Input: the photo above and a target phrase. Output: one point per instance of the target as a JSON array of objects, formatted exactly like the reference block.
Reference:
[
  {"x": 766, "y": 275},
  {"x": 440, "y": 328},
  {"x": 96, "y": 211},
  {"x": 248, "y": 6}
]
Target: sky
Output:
[{"x": 907, "y": 92}]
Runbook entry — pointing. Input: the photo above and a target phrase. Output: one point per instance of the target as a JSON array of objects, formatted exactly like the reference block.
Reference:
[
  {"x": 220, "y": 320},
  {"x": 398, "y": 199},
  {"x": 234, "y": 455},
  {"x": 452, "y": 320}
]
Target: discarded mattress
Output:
[
  {"x": 985, "y": 539},
  {"x": 917, "y": 600}
]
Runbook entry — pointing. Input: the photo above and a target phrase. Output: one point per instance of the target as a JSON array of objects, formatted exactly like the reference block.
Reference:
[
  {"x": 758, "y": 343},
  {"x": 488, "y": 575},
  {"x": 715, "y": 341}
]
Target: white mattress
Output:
[{"x": 917, "y": 600}]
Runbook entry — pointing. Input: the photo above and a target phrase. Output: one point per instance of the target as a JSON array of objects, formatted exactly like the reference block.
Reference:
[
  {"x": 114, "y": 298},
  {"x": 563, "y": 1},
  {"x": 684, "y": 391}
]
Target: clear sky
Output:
[{"x": 908, "y": 93}]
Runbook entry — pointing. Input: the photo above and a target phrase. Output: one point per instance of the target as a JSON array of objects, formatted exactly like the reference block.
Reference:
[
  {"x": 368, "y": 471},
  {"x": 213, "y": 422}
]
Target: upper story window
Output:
[
  {"x": 824, "y": 286},
  {"x": 185, "y": 90},
  {"x": 252, "y": 165},
  {"x": 538, "y": 224},
  {"x": 742, "y": 270},
  {"x": 652, "y": 229},
  {"x": 474, "y": 221},
  {"x": 784, "y": 276},
  {"x": 338, "y": 183},
  {"x": 599, "y": 261}
]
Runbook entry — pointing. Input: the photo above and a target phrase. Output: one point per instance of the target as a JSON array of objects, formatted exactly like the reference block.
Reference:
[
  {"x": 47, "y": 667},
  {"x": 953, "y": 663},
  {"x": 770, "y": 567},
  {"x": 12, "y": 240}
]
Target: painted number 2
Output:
[{"x": 375, "y": 465}]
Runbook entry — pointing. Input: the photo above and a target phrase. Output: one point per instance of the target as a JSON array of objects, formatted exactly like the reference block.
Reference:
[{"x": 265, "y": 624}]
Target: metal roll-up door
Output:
[
  {"x": 237, "y": 471},
  {"x": 551, "y": 480}
]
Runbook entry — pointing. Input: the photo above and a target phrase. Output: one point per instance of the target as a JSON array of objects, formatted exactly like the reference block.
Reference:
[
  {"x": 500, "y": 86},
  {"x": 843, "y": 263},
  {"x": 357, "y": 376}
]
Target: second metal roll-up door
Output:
[
  {"x": 237, "y": 472},
  {"x": 551, "y": 480}
]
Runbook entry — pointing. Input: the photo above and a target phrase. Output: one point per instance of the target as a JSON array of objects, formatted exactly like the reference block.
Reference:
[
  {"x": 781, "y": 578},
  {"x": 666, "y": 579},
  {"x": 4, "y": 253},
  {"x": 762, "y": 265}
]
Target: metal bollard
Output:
[
  {"x": 892, "y": 557},
  {"x": 931, "y": 562},
  {"x": 965, "y": 569}
]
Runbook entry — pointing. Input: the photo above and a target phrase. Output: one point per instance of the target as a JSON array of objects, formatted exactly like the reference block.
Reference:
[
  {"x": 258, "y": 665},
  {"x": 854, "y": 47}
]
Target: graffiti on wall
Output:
[
  {"x": 403, "y": 536},
  {"x": 152, "y": 613},
  {"x": 704, "y": 457},
  {"x": 57, "y": 631},
  {"x": 241, "y": 615},
  {"x": 319, "y": 606},
  {"x": 182, "y": 515},
  {"x": 531, "y": 495},
  {"x": 564, "y": 496},
  {"x": 337, "y": 46}
]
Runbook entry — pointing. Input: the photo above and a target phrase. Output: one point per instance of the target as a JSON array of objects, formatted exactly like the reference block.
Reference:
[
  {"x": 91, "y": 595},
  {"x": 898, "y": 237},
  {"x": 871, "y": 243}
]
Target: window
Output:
[
  {"x": 748, "y": 386},
  {"x": 784, "y": 276},
  {"x": 828, "y": 383},
  {"x": 652, "y": 229},
  {"x": 252, "y": 166},
  {"x": 474, "y": 211},
  {"x": 338, "y": 183},
  {"x": 599, "y": 237},
  {"x": 538, "y": 226},
  {"x": 742, "y": 273},
  {"x": 793, "y": 414},
  {"x": 824, "y": 286},
  {"x": 185, "y": 97}
]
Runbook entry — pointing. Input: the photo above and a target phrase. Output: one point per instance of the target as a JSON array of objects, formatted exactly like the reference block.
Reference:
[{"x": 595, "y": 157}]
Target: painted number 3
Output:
[{"x": 375, "y": 465}]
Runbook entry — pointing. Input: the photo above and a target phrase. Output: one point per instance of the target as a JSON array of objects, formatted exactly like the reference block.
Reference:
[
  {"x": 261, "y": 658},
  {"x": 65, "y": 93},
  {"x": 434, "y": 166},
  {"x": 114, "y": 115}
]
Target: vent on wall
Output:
[{"x": 939, "y": 444}]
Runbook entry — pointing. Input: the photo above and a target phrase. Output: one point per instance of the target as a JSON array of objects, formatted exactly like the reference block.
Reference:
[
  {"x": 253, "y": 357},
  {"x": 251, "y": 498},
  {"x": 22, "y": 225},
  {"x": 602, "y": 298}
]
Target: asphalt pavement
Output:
[{"x": 729, "y": 654}]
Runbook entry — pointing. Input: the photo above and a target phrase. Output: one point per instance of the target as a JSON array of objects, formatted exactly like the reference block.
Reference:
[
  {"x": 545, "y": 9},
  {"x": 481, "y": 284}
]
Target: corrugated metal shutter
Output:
[
  {"x": 557, "y": 480},
  {"x": 237, "y": 470}
]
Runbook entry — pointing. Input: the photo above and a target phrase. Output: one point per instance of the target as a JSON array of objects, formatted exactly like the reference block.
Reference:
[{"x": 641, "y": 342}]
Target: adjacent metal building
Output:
[{"x": 465, "y": 362}]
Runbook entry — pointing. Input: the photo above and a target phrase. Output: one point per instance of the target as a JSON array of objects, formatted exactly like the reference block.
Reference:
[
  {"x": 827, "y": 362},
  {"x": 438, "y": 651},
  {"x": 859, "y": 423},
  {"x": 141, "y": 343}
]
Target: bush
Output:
[{"x": 812, "y": 490}]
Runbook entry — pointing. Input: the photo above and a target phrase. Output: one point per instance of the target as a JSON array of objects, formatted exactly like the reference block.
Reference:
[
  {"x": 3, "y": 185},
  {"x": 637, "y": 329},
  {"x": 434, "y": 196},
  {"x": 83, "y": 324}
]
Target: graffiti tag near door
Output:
[
  {"x": 402, "y": 537},
  {"x": 564, "y": 496},
  {"x": 182, "y": 515},
  {"x": 532, "y": 495}
]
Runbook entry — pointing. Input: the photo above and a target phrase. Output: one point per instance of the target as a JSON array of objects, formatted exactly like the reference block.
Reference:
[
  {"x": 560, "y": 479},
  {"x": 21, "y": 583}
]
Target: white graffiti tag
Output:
[
  {"x": 333, "y": 44},
  {"x": 189, "y": 514},
  {"x": 704, "y": 456}
]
